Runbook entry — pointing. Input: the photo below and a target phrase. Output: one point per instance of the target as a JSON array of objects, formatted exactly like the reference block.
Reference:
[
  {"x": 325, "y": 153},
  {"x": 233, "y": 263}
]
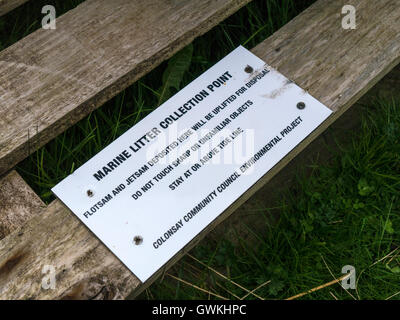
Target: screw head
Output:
[
  {"x": 90, "y": 193},
  {"x": 137, "y": 240},
  {"x": 301, "y": 105},
  {"x": 248, "y": 69}
]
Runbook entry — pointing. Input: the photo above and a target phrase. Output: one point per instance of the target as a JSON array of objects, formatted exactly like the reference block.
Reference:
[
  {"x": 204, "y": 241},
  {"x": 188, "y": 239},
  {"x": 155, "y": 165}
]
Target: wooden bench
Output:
[
  {"x": 8, "y": 5},
  {"x": 336, "y": 66}
]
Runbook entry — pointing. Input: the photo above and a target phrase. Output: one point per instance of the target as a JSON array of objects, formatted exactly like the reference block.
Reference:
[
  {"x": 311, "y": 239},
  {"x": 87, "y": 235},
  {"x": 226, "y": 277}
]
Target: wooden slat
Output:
[
  {"x": 8, "y": 5},
  {"x": 85, "y": 268},
  {"x": 387, "y": 88},
  {"x": 246, "y": 220},
  {"x": 18, "y": 203},
  {"x": 53, "y": 78},
  {"x": 336, "y": 66}
]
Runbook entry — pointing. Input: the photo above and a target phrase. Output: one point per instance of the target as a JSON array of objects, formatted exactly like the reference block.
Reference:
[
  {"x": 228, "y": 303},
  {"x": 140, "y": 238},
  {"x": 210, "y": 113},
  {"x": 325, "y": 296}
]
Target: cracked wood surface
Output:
[
  {"x": 53, "y": 78},
  {"x": 336, "y": 66}
]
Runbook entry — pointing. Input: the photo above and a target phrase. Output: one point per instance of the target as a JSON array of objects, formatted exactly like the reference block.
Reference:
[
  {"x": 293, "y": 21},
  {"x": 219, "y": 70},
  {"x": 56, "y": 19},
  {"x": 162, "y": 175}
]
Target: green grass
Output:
[
  {"x": 46, "y": 167},
  {"x": 344, "y": 213},
  {"x": 27, "y": 18}
]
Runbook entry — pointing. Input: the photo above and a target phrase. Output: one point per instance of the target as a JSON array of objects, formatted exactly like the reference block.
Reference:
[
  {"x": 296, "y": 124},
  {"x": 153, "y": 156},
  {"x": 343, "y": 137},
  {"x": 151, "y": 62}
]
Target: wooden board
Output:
[
  {"x": 85, "y": 268},
  {"x": 319, "y": 152},
  {"x": 53, "y": 78},
  {"x": 18, "y": 203},
  {"x": 387, "y": 88},
  {"x": 336, "y": 66},
  {"x": 8, "y": 5}
]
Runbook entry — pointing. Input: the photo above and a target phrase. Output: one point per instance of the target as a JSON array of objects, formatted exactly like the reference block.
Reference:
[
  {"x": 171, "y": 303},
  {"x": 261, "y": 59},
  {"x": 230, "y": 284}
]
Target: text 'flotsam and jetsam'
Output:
[
  {"x": 242, "y": 169},
  {"x": 152, "y": 134}
]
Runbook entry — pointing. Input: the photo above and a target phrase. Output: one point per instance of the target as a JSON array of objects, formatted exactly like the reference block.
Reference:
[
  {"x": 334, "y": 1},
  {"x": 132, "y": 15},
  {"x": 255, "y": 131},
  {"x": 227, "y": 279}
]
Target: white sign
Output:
[{"x": 157, "y": 186}]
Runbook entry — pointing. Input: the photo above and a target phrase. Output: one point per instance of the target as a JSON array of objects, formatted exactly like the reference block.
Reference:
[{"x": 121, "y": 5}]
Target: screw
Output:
[
  {"x": 138, "y": 240},
  {"x": 301, "y": 105},
  {"x": 90, "y": 193},
  {"x": 248, "y": 69}
]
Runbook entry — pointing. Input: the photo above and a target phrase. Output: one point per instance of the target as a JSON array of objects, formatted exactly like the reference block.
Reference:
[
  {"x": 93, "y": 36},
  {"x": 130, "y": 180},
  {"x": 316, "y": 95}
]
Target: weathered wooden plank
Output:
[
  {"x": 8, "y": 5},
  {"x": 53, "y": 78},
  {"x": 320, "y": 151},
  {"x": 84, "y": 266},
  {"x": 18, "y": 203},
  {"x": 352, "y": 61},
  {"x": 387, "y": 88},
  {"x": 335, "y": 65}
]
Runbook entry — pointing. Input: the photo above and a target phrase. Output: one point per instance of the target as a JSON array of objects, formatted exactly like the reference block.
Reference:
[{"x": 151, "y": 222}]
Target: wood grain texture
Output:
[
  {"x": 246, "y": 219},
  {"x": 85, "y": 268},
  {"x": 53, "y": 78},
  {"x": 336, "y": 66},
  {"x": 8, "y": 5},
  {"x": 18, "y": 203},
  {"x": 387, "y": 88}
]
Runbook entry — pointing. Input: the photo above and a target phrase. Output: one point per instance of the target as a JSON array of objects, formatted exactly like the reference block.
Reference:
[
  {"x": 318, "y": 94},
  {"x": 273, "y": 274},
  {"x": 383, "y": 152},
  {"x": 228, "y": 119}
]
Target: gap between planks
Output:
[
  {"x": 18, "y": 203},
  {"x": 8, "y": 5},
  {"x": 51, "y": 79},
  {"x": 336, "y": 66}
]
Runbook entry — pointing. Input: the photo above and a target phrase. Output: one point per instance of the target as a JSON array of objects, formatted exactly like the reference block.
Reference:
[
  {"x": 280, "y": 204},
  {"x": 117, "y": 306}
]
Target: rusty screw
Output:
[
  {"x": 248, "y": 69},
  {"x": 90, "y": 193},
  {"x": 138, "y": 240}
]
